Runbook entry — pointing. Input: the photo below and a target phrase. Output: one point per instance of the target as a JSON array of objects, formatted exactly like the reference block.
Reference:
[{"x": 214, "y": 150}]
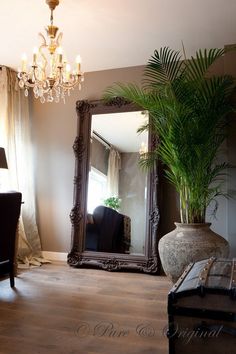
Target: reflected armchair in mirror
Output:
[
  {"x": 106, "y": 231},
  {"x": 115, "y": 215}
]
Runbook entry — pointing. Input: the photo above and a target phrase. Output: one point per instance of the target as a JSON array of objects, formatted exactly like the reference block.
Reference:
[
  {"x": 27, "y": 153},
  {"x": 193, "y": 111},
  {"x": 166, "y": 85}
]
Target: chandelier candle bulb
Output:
[
  {"x": 78, "y": 62},
  {"x": 23, "y": 63},
  {"x": 35, "y": 52},
  {"x": 59, "y": 52}
]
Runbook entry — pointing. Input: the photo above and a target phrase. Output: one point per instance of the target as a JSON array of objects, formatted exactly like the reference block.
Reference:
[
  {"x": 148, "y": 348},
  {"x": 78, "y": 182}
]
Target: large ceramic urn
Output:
[{"x": 189, "y": 243}]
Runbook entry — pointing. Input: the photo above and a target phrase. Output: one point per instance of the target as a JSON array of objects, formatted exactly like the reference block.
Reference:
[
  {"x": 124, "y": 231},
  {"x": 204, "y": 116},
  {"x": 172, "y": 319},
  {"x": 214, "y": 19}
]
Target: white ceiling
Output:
[
  {"x": 116, "y": 33},
  {"x": 120, "y": 129}
]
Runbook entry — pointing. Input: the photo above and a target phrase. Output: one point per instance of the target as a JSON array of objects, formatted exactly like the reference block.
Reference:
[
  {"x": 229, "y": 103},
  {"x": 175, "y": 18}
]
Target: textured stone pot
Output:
[{"x": 189, "y": 243}]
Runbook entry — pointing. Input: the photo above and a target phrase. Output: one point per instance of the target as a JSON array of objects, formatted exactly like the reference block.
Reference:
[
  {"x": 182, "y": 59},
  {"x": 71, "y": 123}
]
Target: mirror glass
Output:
[{"x": 117, "y": 188}]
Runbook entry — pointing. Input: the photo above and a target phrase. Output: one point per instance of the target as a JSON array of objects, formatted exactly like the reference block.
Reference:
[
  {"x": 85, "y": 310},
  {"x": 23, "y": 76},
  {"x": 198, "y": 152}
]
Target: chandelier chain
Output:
[{"x": 51, "y": 17}]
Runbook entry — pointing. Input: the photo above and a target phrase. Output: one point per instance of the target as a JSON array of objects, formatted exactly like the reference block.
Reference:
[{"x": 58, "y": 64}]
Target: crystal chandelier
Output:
[{"x": 49, "y": 74}]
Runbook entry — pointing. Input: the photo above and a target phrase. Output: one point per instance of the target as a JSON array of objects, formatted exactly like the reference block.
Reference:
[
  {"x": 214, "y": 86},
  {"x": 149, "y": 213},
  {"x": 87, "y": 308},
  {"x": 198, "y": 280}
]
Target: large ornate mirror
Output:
[{"x": 115, "y": 212}]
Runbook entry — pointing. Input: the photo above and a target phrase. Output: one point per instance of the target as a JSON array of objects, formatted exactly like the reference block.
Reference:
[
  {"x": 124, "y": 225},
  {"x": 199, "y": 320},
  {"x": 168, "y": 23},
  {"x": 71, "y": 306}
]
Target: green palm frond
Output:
[
  {"x": 198, "y": 66},
  {"x": 163, "y": 67},
  {"x": 131, "y": 92}
]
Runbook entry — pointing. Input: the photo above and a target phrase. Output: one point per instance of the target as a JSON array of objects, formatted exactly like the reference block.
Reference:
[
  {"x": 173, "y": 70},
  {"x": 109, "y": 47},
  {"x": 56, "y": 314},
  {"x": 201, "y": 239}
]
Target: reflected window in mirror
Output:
[
  {"x": 117, "y": 188},
  {"x": 97, "y": 188}
]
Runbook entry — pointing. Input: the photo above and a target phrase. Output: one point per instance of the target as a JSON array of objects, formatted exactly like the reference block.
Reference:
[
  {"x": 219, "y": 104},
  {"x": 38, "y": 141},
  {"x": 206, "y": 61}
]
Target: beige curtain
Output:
[
  {"x": 15, "y": 138},
  {"x": 114, "y": 164}
]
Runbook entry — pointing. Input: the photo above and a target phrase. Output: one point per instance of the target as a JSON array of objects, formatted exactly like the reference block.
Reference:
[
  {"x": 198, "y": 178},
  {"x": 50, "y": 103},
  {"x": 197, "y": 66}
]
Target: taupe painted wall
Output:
[
  {"x": 54, "y": 130},
  {"x": 225, "y": 222}
]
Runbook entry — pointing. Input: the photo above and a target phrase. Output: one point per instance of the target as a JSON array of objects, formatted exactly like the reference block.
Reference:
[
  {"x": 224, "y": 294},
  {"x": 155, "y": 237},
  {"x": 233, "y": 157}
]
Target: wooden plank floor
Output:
[{"x": 62, "y": 310}]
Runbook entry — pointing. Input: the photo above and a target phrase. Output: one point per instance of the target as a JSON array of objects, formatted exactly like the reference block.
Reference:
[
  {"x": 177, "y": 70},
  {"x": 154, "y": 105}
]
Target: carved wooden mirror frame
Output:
[{"x": 78, "y": 256}]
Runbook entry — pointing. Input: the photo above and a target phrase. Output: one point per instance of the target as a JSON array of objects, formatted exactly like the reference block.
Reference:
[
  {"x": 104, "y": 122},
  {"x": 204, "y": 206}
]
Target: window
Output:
[{"x": 97, "y": 188}]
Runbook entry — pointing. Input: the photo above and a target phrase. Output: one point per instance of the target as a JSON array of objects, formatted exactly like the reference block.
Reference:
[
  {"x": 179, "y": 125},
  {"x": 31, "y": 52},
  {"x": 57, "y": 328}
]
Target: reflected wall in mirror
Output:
[{"x": 115, "y": 214}]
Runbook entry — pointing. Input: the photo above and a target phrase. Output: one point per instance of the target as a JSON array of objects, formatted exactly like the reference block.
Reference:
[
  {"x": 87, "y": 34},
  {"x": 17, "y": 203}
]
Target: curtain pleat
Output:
[{"x": 114, "y": 164}]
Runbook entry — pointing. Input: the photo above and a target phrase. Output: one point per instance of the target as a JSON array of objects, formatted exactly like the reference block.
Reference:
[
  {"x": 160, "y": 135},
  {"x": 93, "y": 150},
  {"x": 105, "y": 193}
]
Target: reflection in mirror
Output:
[{"x": 117, "y": 188}]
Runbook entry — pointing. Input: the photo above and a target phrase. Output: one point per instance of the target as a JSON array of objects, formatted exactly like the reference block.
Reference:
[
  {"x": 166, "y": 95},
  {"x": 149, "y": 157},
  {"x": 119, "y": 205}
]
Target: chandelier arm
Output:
[
  {"x": 38, "y": 82},
  {"x": 43, "y": 67},
  {"x": 44, "y": 42},
  {"x": 59, "y": 39},
  {"x": 69, "y": 85},
  {"x": 28, "y": 84}
]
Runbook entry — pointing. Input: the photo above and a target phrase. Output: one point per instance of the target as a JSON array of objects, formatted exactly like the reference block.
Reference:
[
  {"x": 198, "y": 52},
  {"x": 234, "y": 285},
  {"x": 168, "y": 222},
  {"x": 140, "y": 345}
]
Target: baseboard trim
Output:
[{"x": 55, "y": 256}]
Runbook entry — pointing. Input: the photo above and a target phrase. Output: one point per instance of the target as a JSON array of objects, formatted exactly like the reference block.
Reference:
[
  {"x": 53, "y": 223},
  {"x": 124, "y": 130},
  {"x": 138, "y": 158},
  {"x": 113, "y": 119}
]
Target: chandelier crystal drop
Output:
[{"x": 49, "y": 74}]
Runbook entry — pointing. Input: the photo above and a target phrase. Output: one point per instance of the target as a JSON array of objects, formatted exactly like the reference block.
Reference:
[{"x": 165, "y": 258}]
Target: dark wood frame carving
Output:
[{"x": 148, "y": 263}]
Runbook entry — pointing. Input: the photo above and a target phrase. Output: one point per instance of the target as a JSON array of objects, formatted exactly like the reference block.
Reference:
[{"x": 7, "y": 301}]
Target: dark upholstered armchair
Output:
[{"x": 10, "y": 205}]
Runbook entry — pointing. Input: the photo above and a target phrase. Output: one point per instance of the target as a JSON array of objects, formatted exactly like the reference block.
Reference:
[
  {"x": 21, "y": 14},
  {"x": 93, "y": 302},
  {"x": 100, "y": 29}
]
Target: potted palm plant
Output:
[
  {"x": 188, "y": 110},
  {"x": 113, "y": 203}
]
